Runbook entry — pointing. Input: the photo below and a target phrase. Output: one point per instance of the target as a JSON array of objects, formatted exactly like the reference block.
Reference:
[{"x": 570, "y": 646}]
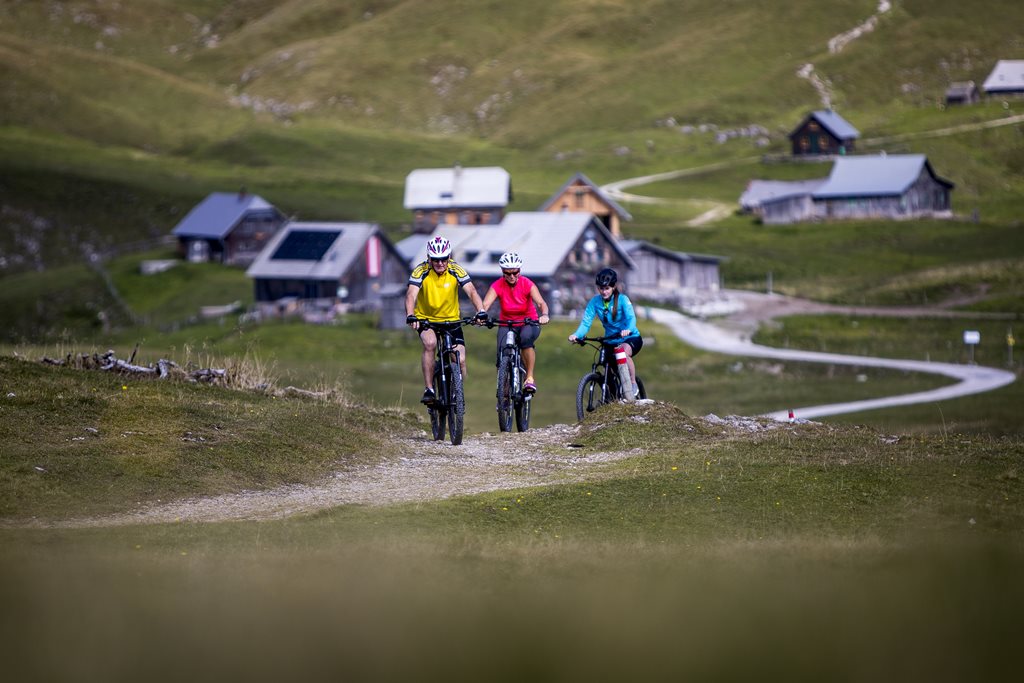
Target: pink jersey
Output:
[{"x": 516, "y": 302}]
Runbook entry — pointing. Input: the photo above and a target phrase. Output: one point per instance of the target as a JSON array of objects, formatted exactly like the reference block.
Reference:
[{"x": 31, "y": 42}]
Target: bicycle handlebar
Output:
[
  {"x": 600, "y": 340},
  {"x": 491, "y": 322},
  {"x": 438, "y": 323}
]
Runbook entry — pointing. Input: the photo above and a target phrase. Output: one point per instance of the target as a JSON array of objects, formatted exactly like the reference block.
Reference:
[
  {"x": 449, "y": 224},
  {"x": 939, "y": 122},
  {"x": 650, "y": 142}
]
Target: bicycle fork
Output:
[
  {"x": 441, "y": 377},
  {"x": 517, "y": 367}
]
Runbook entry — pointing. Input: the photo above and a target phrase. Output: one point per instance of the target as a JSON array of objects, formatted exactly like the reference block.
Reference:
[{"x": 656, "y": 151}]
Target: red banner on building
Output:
[{"x": 373, "y": 257}]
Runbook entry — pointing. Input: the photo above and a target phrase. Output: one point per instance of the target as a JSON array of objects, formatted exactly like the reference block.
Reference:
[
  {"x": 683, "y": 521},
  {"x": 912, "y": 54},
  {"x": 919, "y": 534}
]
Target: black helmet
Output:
[{"x": 606, "y": 277}]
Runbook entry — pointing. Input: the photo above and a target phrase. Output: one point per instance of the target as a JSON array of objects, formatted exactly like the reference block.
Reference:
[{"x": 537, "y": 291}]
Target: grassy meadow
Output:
[
  {"x": 876, "y": 546},
  {"x": 805, "y": 551}
]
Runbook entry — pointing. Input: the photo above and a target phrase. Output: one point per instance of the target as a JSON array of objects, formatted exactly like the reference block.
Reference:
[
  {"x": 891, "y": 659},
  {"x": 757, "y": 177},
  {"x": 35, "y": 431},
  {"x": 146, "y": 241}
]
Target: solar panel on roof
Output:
[{"x": 305, "y": 245}]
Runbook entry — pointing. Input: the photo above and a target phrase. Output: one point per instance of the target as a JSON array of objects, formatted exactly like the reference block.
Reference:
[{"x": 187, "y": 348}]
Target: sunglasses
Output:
[
  {"x": 510, "y": 272},
  {"x": 439, "y": 260}
]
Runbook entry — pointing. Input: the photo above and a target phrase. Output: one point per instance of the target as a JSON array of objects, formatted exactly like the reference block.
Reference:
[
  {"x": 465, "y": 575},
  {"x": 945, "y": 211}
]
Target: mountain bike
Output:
[
  {"x": 449, "y": 408},
  {"x": 601, "y": 385},
  {"x": 511, "y": 377}
]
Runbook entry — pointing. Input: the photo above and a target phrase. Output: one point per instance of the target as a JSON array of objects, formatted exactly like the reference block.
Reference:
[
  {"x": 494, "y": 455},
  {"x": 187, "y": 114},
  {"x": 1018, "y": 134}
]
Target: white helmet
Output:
[
  {"x": 439, "y": 247},
  {"x": 510, "y": 259}
]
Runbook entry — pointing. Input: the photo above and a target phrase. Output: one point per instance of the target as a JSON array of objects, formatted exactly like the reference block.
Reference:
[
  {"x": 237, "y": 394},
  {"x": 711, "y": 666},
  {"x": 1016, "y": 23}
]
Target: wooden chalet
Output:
[
  {"x": 965, "y": 92},
  {"x": 1006, "y": 79},
  {"x": 332, "y": 266},
  {"x": 228, "y": 228},
  {"x": 823, "y": 133},
  {"x": 457, "y": 196},
  {"x": 579, "y": 193},
  {"x": 878, "y": 186},
  {"x": 676, "y": 277}
]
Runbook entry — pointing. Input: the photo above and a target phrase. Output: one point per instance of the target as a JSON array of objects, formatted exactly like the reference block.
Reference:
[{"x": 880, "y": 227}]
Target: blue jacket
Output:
[{"x": 625, "y": 318}]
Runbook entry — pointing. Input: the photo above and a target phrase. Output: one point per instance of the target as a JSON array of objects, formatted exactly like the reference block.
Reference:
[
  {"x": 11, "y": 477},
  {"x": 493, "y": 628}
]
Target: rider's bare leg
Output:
[
  {"x": 462, "y": 360},
  {"x": 429, "y": 340},
  {"x": 629, "y": 362},
  {"x": 529, "y": 359}
]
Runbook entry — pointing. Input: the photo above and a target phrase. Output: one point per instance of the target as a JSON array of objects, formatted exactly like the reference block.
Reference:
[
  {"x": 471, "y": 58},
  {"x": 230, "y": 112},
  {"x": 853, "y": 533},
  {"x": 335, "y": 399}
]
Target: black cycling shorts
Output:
[
  {"x": 636, "y": 343},
  {"x": 527, "y": 336},
  {"x": 455, "y": 329}
]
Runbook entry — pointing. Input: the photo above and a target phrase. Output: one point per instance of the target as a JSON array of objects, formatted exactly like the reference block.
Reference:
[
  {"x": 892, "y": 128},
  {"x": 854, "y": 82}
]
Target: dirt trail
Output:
[{"x": 427, "y": 470}]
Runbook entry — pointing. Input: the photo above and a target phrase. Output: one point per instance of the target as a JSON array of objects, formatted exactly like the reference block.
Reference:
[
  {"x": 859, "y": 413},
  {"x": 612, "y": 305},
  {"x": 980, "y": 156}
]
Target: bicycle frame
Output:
[
  {"x": 511, "y": 397},
  {"x": 449, "y": 405},
  {"x": 601, "y": 385}
]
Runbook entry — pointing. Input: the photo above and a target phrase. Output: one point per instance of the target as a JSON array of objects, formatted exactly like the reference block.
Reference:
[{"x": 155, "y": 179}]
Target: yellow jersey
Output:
[{"x": 438, "y": 300}]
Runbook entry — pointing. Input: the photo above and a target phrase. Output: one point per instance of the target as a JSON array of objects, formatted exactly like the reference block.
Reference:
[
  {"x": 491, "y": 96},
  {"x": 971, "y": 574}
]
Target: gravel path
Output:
[{"x": 427, "y": 470}]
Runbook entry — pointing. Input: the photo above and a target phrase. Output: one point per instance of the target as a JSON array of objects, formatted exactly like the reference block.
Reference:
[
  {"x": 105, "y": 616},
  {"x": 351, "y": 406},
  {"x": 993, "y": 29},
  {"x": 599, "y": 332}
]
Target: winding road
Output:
[{"x": 971, "y": 379}]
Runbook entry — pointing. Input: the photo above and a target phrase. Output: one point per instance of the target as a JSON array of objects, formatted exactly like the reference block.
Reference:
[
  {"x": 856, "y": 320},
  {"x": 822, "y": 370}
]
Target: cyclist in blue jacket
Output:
[{"x": 615, "y": 311}]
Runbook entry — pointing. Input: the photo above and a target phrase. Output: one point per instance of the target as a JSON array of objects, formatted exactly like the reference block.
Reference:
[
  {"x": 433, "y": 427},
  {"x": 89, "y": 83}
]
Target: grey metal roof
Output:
[
  {"x": 874, "y": 175},
  {"x": 961, "y": 89},
  {"x": 1007, "y": 76},
  {"x": 541, "y": 238},
  {"x": 616, "y": 207},
  {"x": 336, "y": 259},
  {"x": 832, "y": 122},
  {"x": 215, "y": 216},
  {"x": 631, "y": 246},
  {"x": 761, "y": 191},
  {"x": 457, "y": 187}
]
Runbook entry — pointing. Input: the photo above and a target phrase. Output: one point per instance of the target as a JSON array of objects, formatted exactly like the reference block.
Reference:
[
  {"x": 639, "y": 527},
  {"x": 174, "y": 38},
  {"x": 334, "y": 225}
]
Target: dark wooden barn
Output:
[{"x": 824, "y": 133}]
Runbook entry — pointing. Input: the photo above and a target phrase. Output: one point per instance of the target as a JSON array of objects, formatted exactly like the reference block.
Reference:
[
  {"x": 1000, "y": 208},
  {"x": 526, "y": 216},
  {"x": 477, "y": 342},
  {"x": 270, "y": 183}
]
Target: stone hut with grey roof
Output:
[
  {"x": 876, "y": 186},
  {"x": 962, "y": 92},
  {"x": 457, "y": 196},
  {"x": 228, "y": 227},
  {"x": 1006, "y": 79},
  {"x": 328, "y": 265}
]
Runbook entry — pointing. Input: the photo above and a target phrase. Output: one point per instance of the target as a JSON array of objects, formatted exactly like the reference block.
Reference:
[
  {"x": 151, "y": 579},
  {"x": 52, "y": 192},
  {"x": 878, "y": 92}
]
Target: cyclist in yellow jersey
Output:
[{"x": 433, "y": 294}]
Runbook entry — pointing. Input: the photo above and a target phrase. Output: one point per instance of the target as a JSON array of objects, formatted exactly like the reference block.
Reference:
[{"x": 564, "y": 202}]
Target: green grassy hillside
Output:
[
  {"x": 117, "y": 118},
  {"x": 324, "y": 107}
]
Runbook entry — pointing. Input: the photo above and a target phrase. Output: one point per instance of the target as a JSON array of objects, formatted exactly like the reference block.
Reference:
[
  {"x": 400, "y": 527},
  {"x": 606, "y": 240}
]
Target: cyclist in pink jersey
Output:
[{"x": 519, "y": 299}]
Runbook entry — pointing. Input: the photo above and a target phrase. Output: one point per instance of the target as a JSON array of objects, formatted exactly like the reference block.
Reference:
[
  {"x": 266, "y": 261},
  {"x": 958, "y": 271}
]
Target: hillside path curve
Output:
[{"x": 719, "y": 338}]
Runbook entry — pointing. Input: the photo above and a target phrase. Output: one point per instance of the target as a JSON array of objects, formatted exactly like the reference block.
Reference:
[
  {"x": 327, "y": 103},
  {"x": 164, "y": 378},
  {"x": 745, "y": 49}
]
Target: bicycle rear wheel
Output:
[
  {"x": 457, "y": 405},
  {"x": 505, "y": 371},
  {"x": 589, "y": 394}
]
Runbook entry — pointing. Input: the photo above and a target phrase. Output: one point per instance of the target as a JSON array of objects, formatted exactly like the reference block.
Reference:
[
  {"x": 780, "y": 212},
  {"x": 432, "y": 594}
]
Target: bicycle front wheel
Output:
[
  {"x": 523, "y": 414},
  {"x": 523, "y": 403},
  {"x": 589, "y": 394},
  {"x": 438, "y": 417},
  {"x": 457, "y": 405},
  {"x": 504, "y": 396}
]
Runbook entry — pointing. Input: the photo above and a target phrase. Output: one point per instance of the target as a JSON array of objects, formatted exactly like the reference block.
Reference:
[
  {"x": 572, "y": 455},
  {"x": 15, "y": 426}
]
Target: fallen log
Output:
[{"x": 163, "y": 369}]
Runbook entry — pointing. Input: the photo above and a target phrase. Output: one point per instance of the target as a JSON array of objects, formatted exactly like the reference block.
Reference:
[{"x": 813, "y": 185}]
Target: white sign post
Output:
[{"x": 971, "y": 338}]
